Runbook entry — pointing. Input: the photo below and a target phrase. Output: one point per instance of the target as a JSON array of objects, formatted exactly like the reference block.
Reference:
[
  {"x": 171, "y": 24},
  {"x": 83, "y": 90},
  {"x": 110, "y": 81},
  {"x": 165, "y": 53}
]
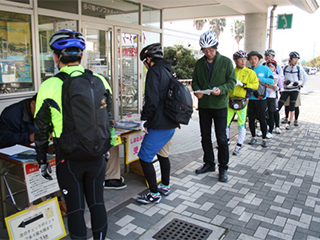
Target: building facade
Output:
[{"x": 115, "y": 32}]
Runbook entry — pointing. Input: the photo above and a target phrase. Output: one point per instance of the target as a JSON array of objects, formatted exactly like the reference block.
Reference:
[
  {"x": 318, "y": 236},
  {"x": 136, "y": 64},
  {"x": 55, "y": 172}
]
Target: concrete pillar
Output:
[{"x": 255, "y": 32}]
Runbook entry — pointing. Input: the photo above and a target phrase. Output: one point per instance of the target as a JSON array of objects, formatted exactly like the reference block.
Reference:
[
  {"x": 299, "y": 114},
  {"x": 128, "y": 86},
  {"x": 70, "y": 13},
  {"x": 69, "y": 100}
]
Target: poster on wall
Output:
[
  {"x": 38, "y": 222},
  {"x": 133, "y": 146}
]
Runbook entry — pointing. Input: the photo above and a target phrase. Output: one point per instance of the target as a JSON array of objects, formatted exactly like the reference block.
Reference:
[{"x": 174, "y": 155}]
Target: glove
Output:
[
  {"x": 142, "y": 125},
  {"x": 107, "y": 156},
  {"x": 239, "y": 83},
  {"x": 295, "y": 84},
  {"x": 287, "y": 82},
  {"x": 45, "y": 169}
]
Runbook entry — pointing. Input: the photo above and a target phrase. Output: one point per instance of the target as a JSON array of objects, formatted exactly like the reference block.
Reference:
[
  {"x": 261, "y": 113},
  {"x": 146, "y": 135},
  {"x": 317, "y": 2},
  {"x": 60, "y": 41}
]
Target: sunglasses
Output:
[{"x": 271, "y": 65}]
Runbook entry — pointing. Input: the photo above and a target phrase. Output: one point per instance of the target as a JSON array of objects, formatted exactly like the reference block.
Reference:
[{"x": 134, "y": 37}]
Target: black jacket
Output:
[
  {"x": 157, "y": 82},
  {"x": 16, "y": 124}
]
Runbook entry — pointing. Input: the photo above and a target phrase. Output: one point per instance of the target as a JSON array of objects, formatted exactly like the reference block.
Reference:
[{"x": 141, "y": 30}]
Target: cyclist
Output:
[
  {"x": 294, "y": 78},
  {"x": 216, "y": 72},
  {"x": 158, "y": 129},
  {"x": 79, "y": 181},
  {"x": 257, "y": 107},
  {"x": 246, "y": 80}
]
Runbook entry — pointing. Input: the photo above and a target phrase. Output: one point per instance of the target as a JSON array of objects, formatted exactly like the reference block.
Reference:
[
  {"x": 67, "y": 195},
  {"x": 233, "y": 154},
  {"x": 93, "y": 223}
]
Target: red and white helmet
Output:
[
  {"x": 240, "y": 54},
  {"x": 208, "y": 39}
]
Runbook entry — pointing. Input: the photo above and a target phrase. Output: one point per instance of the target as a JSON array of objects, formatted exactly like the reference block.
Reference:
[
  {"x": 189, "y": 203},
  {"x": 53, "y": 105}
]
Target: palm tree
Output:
[
  {"x": 199, "y": 23},
  {"x": 238, "y": 31},
  {"x": 217, "y": 25}
]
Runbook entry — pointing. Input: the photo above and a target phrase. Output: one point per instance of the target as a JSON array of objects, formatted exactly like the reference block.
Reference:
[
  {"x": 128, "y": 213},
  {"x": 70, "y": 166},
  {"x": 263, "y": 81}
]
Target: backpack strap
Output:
[
  {"x": 63, "y": 76},
  {"x": 298, "y": 68}
]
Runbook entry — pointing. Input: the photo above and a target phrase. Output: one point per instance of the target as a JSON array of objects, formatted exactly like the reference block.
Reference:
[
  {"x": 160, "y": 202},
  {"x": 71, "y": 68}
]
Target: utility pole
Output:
[{"x": 271, "y": 25}]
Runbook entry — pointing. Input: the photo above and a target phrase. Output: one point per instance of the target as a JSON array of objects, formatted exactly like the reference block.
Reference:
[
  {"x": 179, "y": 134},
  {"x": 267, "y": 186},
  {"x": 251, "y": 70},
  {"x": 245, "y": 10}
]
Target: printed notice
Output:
[
  {"x": 39, "y": 222},
  {"x": 37, "y": 186}
]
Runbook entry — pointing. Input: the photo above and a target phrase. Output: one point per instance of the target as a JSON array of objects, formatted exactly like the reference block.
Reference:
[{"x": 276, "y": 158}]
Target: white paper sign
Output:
[
  {"x": 37, "y": 186},
  {"x": 40, "y": 222},
  {"x": 134, "y": 141}
]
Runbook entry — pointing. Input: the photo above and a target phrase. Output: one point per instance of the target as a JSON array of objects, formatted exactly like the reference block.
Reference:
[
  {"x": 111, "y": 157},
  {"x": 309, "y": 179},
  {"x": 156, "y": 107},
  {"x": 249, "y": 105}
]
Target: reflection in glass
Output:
[
  {"x": 98, "y": 52},
  {"x": 128, "y": 73},
  {"x": 151, "y": 17},
  {"x": 116, "y": 10},
  {"x": 48, "y": 26},
  {"x": 15, "y": 53},
  {"x": 70, "y": 6}
]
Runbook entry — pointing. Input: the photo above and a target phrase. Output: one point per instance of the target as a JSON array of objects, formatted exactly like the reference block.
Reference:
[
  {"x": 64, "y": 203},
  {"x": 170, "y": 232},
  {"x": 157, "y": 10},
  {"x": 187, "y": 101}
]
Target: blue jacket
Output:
[
  {"x": 16, "y": 124},
  {"x": 265, "y": 75}
]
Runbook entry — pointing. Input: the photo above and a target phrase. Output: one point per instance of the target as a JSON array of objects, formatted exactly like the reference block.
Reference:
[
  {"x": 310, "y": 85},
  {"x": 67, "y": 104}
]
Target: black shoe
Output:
[
  {"x": 115, "y": 184},
  {"x": 223, "y": 176},
  {"x": 253, "y": 141},
  {"x": 205, "y": 168}
]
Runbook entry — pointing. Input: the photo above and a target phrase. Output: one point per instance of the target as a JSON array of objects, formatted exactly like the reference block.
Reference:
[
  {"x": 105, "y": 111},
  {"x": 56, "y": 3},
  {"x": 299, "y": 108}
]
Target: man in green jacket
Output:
[{"x": 216, "y": 73}]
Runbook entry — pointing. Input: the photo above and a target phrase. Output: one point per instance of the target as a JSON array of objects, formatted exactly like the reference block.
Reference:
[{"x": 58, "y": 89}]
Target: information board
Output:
[{"x": 38, "y": 222}]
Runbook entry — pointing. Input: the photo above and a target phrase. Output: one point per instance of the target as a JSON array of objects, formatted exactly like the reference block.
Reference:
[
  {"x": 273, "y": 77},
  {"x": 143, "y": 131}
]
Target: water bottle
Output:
[{"x": 113, "y": 136}]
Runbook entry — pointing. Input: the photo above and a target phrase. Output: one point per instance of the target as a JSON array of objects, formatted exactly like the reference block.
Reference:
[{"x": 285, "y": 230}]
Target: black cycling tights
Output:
[
  {"x": 296, "y": 112},
  {"x": 150, "y": 173},
  {"x": 79, "y": 180}
]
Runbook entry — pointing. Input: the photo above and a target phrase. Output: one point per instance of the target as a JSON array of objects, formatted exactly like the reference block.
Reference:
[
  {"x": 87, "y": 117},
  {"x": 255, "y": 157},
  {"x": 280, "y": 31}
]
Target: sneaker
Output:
[
  {"x": 114, "y": 184},
  {"x": 253, "y": 141},
  {"x": 284, "y": 120},
  {"x": 236, "y": 151},
  {"x": 277, "y": 130},
  {"x": 163, "y": 190},
  {"x": 288, "y": 127},
  {"x": 264, "y": 143},
  {"x": 269, "y": 135},
  {"x": 296, "y": 123},
  {"x": 259, "y": 134},
  {"x": 149, "y": 198}
]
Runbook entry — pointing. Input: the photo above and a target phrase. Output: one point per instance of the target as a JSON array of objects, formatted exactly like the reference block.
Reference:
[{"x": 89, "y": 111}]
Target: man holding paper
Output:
[{"x": 216, "y": 72}]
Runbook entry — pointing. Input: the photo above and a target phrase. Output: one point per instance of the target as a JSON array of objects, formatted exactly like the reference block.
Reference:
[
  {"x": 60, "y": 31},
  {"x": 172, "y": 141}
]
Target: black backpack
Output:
[
  {"x": 178, "y": 102},
  {"x": 86, "y": 131}
]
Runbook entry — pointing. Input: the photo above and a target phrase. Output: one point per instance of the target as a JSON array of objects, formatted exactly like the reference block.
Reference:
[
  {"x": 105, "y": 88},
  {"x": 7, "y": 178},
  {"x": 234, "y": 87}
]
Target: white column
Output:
[{"x": 255, "y": 35}]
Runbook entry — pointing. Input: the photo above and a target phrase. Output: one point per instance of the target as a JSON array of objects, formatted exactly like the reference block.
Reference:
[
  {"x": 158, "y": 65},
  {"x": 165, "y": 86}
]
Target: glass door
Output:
[
  {"x": 127, "y": 71},
  {"x": 98, "y": 54}
]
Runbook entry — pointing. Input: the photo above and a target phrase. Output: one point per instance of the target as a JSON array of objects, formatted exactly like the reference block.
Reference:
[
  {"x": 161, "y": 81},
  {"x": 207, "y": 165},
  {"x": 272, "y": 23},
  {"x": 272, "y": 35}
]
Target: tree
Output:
[
  {"x": 181, "y": 59},
  {"x": 199, "y": 23},
  {"x": 315, "y": 62},
  {"x": 238, "y": 31},
  {"x": 218, "y": 25}
]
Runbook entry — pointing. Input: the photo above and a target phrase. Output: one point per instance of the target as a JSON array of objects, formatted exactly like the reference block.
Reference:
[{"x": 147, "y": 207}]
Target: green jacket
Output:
[
  {"x": 48, "y": 113},
  {"x": 223, "y": 76}
]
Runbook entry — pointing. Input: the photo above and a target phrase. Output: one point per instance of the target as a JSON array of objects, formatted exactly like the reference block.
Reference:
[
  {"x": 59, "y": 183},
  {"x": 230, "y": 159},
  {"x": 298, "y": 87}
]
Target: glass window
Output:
[
  {"x": 15, "y": 53},
  {"x": 70, "y": 6},
  {"x": 150, "y": 37},
  {"x": 116, "y": 10},
  {"x": 19, "y": 1},
  {"x": 151, "y": 17},
  {"x": 48, "y": 26},
  {"x": 98, "y": 52}
]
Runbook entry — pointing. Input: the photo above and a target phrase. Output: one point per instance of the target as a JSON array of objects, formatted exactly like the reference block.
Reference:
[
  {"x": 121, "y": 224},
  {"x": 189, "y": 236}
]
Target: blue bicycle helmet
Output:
[{"x": 67, "y": 38}]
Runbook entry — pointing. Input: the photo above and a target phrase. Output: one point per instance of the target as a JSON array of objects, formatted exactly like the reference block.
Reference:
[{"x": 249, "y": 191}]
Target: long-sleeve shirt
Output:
[
  {"x": 16, "y": 124},
  {"x": 223, "y": 76},
  {"x": 294, "y": 74},
  {"x": 249, "y": 79},
  {"x": 278, "y": 82},
  {"x": 265, "y": 75}
]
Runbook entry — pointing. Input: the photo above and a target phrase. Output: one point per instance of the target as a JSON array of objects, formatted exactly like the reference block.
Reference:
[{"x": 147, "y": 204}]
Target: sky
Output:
[{"x": 303, "y": 37}]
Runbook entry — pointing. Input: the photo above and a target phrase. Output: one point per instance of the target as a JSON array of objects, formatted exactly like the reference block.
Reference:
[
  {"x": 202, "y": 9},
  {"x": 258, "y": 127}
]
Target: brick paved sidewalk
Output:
[{"x": 272, "y": 193}]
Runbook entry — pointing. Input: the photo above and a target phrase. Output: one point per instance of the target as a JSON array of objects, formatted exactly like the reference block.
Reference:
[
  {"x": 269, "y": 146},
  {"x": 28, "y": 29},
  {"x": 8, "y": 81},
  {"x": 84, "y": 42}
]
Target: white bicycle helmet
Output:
[
  {"x": 240, "y": 54},
  {"x": 269, "y": 52},
  {"x": 208, "y": 39},
  {"x": 294, "y": 55}
]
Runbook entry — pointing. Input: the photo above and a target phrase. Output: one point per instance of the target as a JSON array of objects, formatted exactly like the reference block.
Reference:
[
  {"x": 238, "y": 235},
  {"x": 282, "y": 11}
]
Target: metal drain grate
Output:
[{"x": 182, "y": 230}]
